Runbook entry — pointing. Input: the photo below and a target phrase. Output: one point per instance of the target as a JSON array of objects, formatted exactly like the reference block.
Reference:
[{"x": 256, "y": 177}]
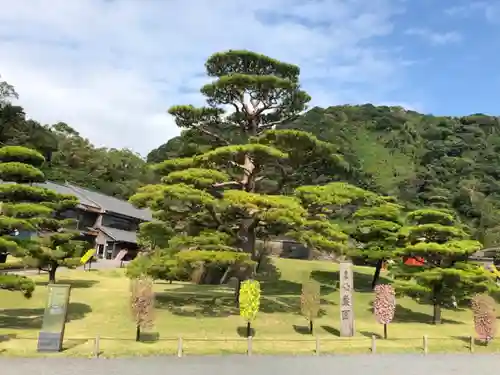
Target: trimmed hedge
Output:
[{"x": 18, "y": 265}]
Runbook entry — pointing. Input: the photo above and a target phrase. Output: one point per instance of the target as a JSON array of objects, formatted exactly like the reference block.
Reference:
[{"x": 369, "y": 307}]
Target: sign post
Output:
[
  {"x": 87, "y": 257},
  {"x": 119, "y": 257},
  {"x": 50, "y": 338},
  {"x": 346, "y": 302}
]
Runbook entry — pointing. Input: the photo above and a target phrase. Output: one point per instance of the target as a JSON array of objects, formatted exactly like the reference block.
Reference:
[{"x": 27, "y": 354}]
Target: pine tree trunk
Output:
[
  {"x": 138, "y": 333},
  {"x": 376, "y": 275},
  {"x": 247, "y": 238},
  {"x": 436, "y": 301},
  {"x": 247, "y": 230},
  {"x": 237, "y": 293},
  {"x": 436, "y": 316},
  {"x": 249, "y": 329},
  {"x": 52, "y": 274},
  {"x": 311, "y": 326}
]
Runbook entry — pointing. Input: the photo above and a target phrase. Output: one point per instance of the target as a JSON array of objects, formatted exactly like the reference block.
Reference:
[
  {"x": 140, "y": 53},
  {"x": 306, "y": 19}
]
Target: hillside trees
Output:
[
  {"x": 438, "y": 238},
  {"x": 30, "y": 224},
  {"x": 236, "y": 188},
  {"x": 111, "y": 171},
  {"x": 69, "y": 156}
]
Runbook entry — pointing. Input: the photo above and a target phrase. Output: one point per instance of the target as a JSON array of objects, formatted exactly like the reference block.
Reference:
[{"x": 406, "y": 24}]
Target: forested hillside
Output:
[
  {"x": 71, "y": 157},
  {"x": 420, "y": 159}
]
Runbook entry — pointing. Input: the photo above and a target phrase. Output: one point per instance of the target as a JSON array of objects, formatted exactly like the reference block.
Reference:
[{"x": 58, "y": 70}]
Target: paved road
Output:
[{"x": 262, "y": 365}]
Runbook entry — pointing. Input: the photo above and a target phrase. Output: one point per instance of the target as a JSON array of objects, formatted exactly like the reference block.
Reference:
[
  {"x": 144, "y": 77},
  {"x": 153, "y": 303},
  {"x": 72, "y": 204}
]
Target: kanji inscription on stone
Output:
[{"x": 346, "y": 302}]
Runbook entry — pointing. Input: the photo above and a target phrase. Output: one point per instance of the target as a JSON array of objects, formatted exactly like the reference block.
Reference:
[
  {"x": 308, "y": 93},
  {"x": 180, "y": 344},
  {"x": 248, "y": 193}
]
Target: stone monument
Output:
[
  {"x": 50, "y": 338},
  {"x": 346, "y": 300}
]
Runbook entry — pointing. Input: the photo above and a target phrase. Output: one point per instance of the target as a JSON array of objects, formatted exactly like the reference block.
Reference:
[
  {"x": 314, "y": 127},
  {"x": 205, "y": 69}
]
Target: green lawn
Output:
[{"x": 205, "y": 317}]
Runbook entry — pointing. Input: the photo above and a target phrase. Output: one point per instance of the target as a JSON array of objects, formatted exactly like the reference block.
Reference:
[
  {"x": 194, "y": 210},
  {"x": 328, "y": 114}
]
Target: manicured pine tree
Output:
[
  {"x": 436, "y": 237},
  {"x": 33, "y": 212},
  {"x": 378, "y": 230},
  {"x": 237, "y": 188}
]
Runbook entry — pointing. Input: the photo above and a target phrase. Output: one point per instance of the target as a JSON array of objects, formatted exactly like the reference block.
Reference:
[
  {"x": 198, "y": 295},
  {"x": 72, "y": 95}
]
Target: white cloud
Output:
[
  {"x": 488, "y": 9},
  {"x": 436, "y": 38},
  {"x": 111, "y": 68}
]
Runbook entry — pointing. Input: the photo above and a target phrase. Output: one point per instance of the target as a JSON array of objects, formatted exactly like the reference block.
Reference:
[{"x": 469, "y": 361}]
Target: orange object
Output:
[{"x": 414, "y": 261}]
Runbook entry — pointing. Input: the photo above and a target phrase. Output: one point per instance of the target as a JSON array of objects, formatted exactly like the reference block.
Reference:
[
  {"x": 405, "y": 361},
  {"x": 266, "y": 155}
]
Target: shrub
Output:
[
  {"x": 384, "y": 305},
  {"x": 310, "y": 300},
  {"x": 17, "y": 265},
  {"x": 142, "y": 303},
  {"x": 249, "y": 301},
  {"x": 484, "y": 309}
]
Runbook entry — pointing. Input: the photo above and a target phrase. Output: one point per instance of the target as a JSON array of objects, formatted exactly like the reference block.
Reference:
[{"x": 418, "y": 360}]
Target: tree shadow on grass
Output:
[
  {"x": 303, "y": 330},
  {"x": 370, "y": 334},
  {"x": 33, "y": 318},
  {"x": 149, "y": 337},
  {"x": 280, "y": 287},
  {"x": 405, "y": 315},
  {"x": 242, "y": 331},
  {"x": 207, "y": 301},
  {"x": 75, "y": 284},
  {"x": 196, "y": 304},
  {"x": 73, "y": 343},
  {"x": 331, "y": 330},
  {"x": 362, "y": 281},
  {"x": 216, "y": 306},
  {"x": 7, "y": 337},
  {"x": 466, "y": 340}
]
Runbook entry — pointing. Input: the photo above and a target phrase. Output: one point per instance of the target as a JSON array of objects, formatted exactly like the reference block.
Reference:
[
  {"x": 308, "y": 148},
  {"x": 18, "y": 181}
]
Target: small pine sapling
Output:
[
  {"x": 249, "y": 302},
  {"x": 384, "y": 305},
  {"x": 142, "y": 303},
  {"x": 310, "y": 302},
  {"x": 484, "y": 309}
]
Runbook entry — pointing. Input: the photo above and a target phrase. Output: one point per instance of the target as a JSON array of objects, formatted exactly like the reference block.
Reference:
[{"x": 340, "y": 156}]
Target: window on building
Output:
[{"x": 118, "y": 222}]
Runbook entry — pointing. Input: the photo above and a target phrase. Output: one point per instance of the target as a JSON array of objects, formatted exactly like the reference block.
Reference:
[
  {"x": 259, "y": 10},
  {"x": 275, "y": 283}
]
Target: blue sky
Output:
[{"x": 111, "y": 68}]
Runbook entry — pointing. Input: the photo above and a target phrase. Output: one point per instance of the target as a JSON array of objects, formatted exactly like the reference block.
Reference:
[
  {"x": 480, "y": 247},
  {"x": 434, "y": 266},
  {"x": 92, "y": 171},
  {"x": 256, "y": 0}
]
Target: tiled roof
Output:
[
  {"x": 119, "y": 235},
  {"x": 112, "y": 204},
  {"x": 64, "y": 189},
  {"x": 99, "y": 200}
]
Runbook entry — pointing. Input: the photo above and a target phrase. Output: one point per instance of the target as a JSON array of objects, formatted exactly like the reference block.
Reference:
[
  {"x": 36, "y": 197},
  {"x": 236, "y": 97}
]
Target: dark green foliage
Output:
[{"x": 17, "y": 283}]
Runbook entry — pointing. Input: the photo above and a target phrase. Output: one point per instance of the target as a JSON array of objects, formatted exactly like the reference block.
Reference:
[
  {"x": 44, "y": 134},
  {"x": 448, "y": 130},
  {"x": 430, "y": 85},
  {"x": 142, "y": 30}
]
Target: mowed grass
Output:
[{"x": 207, "y": 321}]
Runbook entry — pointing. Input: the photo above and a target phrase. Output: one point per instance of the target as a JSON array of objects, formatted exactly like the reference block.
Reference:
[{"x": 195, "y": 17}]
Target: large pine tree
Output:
[{"x": 220, "y": 202}]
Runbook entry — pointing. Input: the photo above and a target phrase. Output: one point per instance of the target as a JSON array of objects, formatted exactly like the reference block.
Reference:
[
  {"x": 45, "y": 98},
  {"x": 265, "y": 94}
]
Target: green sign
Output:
[{"x": 51, "y": 336}]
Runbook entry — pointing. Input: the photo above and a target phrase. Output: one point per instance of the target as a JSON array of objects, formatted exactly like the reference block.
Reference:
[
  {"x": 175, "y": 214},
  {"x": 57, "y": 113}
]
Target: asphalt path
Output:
[{"x": 378, "y": 364}]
